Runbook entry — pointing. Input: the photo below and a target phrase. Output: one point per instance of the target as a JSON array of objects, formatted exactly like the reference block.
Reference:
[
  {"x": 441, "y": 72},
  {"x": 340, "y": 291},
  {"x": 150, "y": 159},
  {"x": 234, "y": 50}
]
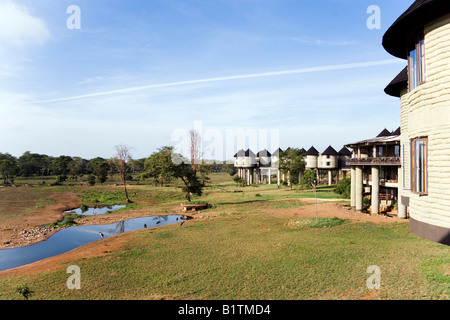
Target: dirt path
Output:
[
  {"x": 26, "y": 228},
  {"x": 331, "y": 210}
]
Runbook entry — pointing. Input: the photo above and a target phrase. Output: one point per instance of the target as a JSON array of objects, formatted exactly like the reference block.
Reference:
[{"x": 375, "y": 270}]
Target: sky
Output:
[{"x": 243, "y": 73}]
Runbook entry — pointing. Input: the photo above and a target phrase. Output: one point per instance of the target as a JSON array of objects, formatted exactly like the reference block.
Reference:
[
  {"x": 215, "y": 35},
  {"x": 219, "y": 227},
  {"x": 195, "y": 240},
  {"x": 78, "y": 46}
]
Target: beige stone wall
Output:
[
  {"x": 327, "y": 163},
  {"x": 426, "y": 113},
  {"x": 311, "y": 162}
]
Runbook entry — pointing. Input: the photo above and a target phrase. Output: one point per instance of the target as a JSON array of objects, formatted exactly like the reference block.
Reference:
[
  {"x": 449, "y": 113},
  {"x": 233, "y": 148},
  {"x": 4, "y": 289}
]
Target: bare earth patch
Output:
[{"x": 14, "y": 231}]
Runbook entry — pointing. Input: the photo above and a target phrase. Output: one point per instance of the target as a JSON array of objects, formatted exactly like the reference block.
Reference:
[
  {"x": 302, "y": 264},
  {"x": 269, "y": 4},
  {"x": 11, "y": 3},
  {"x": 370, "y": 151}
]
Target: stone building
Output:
[
  {"x": 375, "y": 167},
  {"x": 421, "y": 36}
]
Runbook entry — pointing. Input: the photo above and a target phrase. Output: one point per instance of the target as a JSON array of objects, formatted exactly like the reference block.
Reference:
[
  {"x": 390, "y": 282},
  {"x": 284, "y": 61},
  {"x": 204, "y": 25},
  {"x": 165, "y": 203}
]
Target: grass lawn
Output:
[{"x": 243, "y": 251}]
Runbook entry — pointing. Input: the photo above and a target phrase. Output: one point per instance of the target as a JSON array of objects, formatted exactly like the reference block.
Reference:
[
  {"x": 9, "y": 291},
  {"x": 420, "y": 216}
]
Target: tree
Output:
[
  {"x": 292, "y": 163},
  {"x": 308, "y": 179},
  {"x": 195, "y": 149},
  {"x": 204, "y": 169},
  {"x": 8, "y": 168},
  {"x": 123, "y": 154},
  {"x": 77, "y": 167},
  {"x": 60, "y": 165},
  {"x": 34, "y": 164},
  {"x": 192, "y": 185},
  {"x": 159, "y": 166},
  {"x": 343, "y": 188},
  {"x": 98, "y": 167}
]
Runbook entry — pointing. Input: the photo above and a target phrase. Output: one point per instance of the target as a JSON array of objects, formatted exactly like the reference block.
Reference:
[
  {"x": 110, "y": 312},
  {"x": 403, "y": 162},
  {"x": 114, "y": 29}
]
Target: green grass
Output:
[
  {"x": 316, "y": 222},
  {"x": 243, "y": 251}
]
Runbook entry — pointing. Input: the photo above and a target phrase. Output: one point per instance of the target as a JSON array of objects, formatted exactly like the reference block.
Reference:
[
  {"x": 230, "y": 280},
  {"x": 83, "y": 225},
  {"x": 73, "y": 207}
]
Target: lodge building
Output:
[{"x": 421, "y": 36}]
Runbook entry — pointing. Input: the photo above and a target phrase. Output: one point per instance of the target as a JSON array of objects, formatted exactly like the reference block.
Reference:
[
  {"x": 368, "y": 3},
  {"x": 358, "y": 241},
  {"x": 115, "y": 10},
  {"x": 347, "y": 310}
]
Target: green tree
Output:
[
  {"x": 34, "y": 164},
  {"x": 343, "y": 188},
  {"x": 60, "y": 165},
  {"x": 291, "y": 163},
  {"x": 159, "y": 166},
  {"x": 8, "y": 168},
  {"x": 308, "y": 179},
  {"x": 203, "y": 170},
  {"x": 187, "y": 174},
  {"x": 98, "y": 167},
  {"x": 77, "y": 167}
]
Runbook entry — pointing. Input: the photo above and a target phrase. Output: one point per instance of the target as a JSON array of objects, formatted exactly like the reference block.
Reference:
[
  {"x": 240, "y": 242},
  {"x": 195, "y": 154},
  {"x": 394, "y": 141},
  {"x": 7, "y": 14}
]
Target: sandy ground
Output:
[
  {"x": 67, "y": 201},
  {"x": 18, "y": 232}
]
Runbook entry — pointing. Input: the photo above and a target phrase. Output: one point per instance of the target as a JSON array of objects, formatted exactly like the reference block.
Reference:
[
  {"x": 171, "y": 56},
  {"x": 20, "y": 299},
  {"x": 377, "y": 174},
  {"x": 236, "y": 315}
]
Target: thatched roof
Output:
[
  {"x": 384, "y": 133},
  {"x": 277, "y": 152},
  {"x": 263, "y": 153},
  {"x": 404, "y": 30},
  {"x": 240, "y": 153},
  {"x": 312, "y": 152},
  {"x": 330, "y": 152},
  {"x": 385, "y": 137},
  {"x": 249, "y": 153},
  {"x": 345, "y": 152},
  {"x": 399, "y": 82}
]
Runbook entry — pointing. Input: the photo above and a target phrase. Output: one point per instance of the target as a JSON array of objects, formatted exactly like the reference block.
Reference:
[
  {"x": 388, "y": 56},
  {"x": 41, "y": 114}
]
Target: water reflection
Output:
[{"x": 90, "y": 211}]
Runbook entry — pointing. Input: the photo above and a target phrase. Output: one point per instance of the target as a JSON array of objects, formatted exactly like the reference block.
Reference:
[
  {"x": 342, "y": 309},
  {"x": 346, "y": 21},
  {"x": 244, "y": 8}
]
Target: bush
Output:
[
  {"x": 240, "y": 181},
  {"x": 91, "y": 179},
  {"x": 343, "y": 188},
  {"x": 61, "y": 178},
  {"x": 24, "y": 291}
]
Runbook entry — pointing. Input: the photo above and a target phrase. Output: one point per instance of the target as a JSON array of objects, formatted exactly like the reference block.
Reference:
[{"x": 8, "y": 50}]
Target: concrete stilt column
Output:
[
  {"x": 330, "y": 177},
  {"x": 401, "y": 206},
  {"x": 375, "y": 196},
  {"x": 359, "y": 188},
  {"x": 270, "y": 176},
  {"x": 353, "y": 187},
  {"x": 278, "y": 177}
]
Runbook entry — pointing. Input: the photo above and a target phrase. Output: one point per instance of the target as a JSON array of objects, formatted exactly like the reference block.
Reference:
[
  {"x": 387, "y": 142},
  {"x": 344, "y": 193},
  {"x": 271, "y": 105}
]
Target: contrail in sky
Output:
[{"x": 228, "y": 78}]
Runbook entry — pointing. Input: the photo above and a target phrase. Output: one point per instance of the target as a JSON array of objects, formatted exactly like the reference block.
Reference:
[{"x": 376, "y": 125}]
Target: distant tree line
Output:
[{"x": 66, "y": 167}]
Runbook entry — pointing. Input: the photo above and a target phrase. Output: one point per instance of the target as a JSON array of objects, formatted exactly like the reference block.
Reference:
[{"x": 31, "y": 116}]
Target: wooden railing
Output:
[{"x": 379, "y": 161}]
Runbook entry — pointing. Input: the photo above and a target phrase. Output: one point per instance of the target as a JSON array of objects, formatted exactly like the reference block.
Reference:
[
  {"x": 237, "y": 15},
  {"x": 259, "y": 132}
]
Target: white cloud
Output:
[{"x": 18, "y": 28}]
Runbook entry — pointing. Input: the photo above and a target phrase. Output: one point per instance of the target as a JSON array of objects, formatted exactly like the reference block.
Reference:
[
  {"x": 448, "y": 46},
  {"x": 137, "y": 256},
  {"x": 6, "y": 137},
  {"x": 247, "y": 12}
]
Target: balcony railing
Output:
[{"x": 378, "y": 161}]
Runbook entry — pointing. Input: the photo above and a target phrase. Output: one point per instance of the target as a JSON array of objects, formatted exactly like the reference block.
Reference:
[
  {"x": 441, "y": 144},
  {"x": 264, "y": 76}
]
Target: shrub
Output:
[
  {"x": 91, "y": 179},
  {"x": 343, "y": 188},
  {"x": 24, "y": 291}
]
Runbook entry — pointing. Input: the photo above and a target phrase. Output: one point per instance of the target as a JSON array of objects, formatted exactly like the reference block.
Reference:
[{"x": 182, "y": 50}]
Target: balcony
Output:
[{"x": 378, "y": 161}]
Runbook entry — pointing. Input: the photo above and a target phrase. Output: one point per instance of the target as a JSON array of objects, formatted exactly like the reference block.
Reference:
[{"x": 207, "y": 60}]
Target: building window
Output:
[
  {"x": 419, "y": 165},
  {"x": 416, "y": 64},
  {"x": 397, "y": 151}
]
